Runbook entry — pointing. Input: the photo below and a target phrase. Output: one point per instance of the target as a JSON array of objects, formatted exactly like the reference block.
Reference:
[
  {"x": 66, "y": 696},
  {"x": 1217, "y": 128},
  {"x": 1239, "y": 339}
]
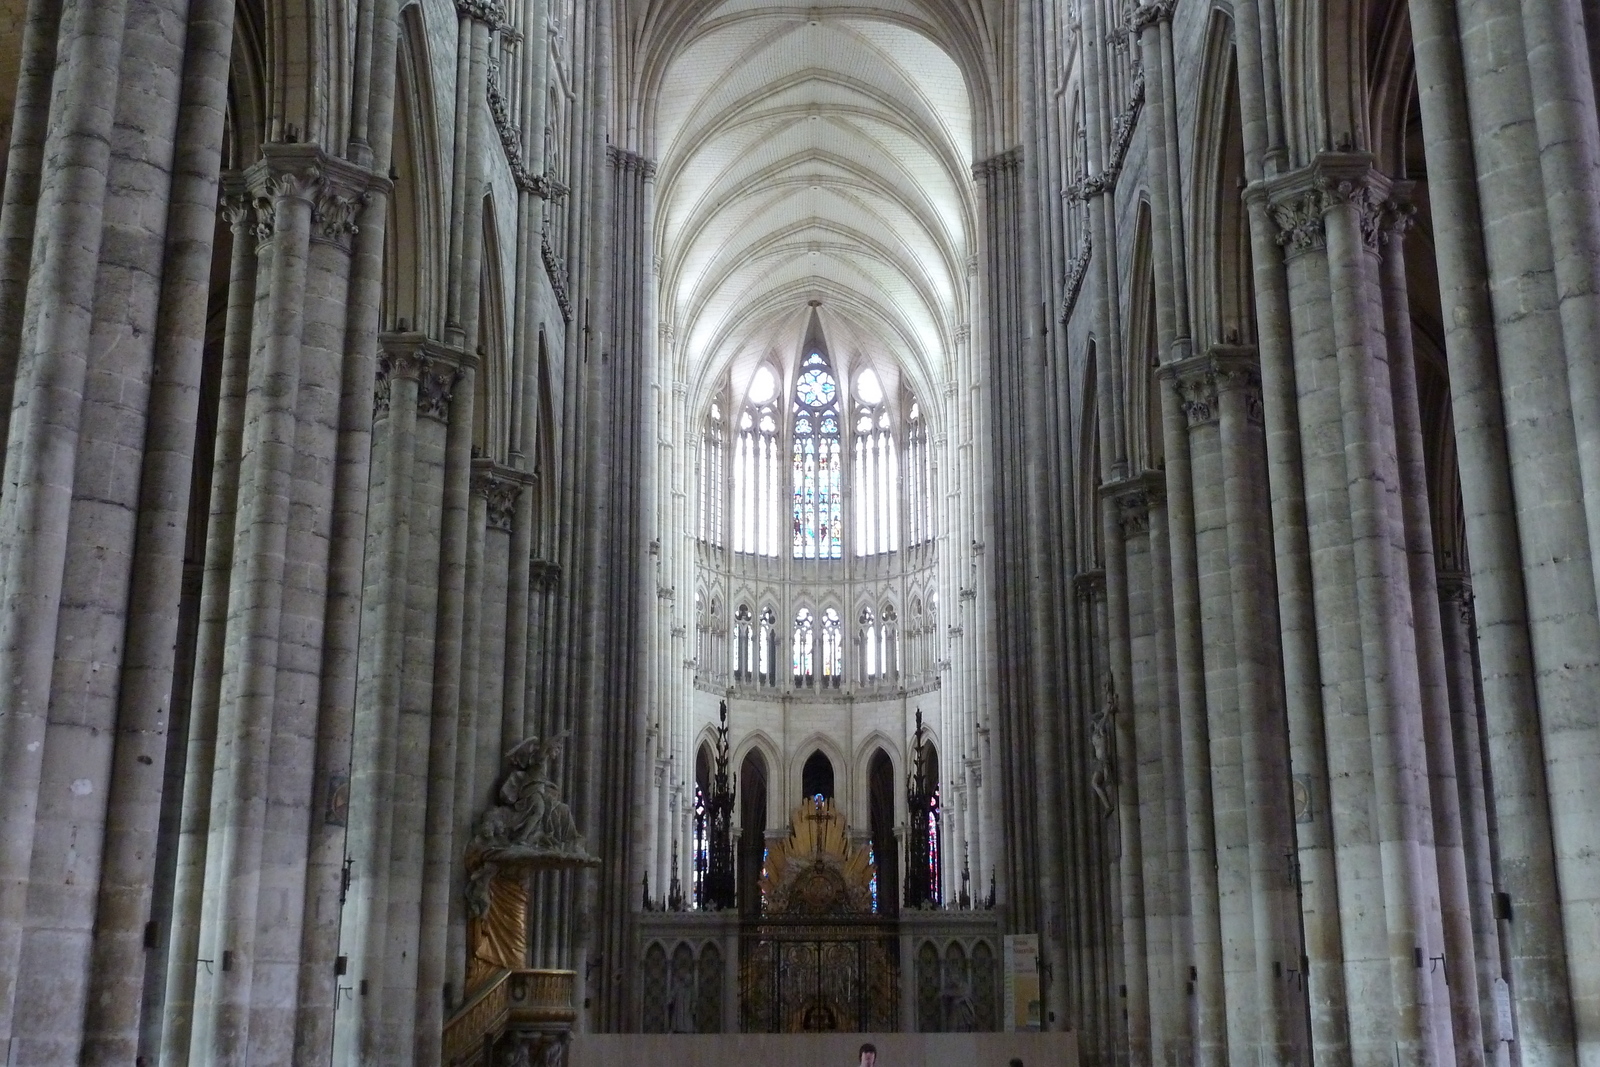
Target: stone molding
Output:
[
  {"x": 557, "y": 271},
  {"x": 1077, "y": 273},
  {"x": 434, "y": 366},
  {"x": 1087, "y": 187},
  {"x": 544, "y": 186}
]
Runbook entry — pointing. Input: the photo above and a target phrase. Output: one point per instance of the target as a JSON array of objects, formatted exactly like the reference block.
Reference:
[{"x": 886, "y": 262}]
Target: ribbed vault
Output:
[{"x": 812, "y": 153}]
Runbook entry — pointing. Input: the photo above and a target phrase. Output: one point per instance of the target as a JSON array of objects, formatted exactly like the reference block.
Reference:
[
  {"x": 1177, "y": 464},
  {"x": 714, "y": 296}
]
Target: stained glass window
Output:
[
  {"x": 817, "y": 455},
  {"x": 934, "y": 886}
]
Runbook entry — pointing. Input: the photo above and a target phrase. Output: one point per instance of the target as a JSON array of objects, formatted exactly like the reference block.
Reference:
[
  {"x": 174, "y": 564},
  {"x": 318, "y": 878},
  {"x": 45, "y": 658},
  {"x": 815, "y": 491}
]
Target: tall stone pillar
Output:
[{"x": 1328, "y": 216}]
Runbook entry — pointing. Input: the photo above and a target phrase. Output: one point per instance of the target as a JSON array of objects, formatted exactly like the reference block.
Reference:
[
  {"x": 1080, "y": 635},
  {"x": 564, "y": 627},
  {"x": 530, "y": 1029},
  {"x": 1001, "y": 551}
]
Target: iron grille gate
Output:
[{"x": 815, "y": 979}]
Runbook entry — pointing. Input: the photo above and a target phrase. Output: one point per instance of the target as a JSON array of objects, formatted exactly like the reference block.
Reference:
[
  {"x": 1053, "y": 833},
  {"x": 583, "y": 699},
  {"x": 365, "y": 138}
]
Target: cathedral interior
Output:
[{"x": 610, "y": 532}]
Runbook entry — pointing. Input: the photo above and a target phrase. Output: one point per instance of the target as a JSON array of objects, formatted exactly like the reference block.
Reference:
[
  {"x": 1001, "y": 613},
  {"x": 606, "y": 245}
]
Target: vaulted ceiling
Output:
[{"x": 808, "y": 153}]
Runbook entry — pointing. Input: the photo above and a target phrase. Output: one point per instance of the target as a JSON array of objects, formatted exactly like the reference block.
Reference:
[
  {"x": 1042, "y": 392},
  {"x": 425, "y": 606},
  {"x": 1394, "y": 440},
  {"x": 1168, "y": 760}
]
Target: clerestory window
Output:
[{"x": 818, "y": 499}]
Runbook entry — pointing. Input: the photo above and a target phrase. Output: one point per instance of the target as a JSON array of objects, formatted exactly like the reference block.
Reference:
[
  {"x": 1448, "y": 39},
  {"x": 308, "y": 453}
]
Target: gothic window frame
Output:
[
  {"x": 713, "y": 475},
  {"x": 803, "y": 642},
  {"x": 830, "y": 624},
  {"x": 817, "y": 460},
  {"x": 756, "y": 478},
  {"x": 767, "y": 647},
  {"x": 876, "y": 486},
  {"x": 744, "y": 643}
]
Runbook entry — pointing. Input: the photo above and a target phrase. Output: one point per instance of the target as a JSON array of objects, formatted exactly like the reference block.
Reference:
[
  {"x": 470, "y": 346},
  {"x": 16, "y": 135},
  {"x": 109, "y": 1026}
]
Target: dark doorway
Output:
[
  {"x": 880, "y": 806},
  {"x": 816, "y": 778},
  {"x": 753, "y": 831}
]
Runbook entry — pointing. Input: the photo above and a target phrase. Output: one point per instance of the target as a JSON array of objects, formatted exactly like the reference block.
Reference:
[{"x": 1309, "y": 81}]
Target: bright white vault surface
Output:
[{"x": 812, "y": 153}]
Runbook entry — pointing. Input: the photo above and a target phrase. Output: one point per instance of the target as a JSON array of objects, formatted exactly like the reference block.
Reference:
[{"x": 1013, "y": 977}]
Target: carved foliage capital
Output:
[{"x": 500, "y": 489}]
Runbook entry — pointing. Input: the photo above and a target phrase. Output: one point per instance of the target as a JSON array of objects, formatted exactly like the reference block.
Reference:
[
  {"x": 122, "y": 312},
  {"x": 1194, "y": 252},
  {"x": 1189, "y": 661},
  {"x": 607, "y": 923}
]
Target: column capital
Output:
[
  {"x": 1089, "y": 586},
  {"x": 336, "y": 189},
  {"x": 435, "y": 367},
  {"x": 1198, "y": 380},
  {"x": 1133, "y": 499},
  {"x": 490, "y": 12},
  {"x": 1146, "y": 15},
  {"x": 1300, "y": 201},
  {"x": 997, "y": 164},
  {"x": 500, "y": 486},
  {"x": 624, "y": 160},
  {"x": 544, "y": 574}
]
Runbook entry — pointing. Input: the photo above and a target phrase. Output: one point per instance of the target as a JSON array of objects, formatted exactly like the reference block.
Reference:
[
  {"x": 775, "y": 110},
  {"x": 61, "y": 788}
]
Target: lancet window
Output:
[
  {"x": 832, "y": 648},
  {"x": 817, "y": 454},
  {"x": 744, "y": 644},
  {"x": 804, "y": 649},
  {"x": 877, "y": 496},
  {"x": 868, "y": 639},
  {"x": 755, "y": 469},
  {"x": 919, "y": 479},
  {"x": 712, "y": 450},
  {"x": 767, "y": 652}
]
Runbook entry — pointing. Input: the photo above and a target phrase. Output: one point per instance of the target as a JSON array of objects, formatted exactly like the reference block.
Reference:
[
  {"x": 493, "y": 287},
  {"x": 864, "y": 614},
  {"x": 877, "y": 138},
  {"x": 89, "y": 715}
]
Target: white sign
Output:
[
  {"x": 1023, "y": 1010},
  {"x": 1502, "y": 1010}
]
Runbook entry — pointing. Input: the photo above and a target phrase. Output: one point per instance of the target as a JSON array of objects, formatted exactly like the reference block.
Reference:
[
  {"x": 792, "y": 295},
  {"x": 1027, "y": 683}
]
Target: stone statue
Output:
[
  {"x": 529, "y": 815},
  {"x": 1102, "y": 745},
  {"x": 528, "y": 828}
]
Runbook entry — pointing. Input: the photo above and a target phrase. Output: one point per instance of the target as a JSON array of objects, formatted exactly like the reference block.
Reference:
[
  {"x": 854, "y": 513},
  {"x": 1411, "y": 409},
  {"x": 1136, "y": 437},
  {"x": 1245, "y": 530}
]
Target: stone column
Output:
[
  {"x": 292, "y": 785},
  {"x": 51, "y": 367},
  {"x": 183, "y": 945},
  {"x": 1262, "y": 726},
  {"x": 98, "y": 537},
  {"x": 286, "y": 184},
  {"x": 147, "y": 711},
  {"x": 1475, "y": 108},
  {"x": 1381, "y": 815},
  {"x": 1138, "y": 758},
  {"x": 377, "y": 710},
  {"x": 1444, "y": 797},
  {"x": 1466, "y": 726}
]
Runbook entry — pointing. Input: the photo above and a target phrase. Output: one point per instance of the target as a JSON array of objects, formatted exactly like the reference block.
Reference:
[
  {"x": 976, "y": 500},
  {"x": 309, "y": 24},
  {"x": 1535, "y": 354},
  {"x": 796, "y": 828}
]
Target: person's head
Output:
[
  {"x": 869, "y": 1055},
  {"x": 1016, "y": 1062}
]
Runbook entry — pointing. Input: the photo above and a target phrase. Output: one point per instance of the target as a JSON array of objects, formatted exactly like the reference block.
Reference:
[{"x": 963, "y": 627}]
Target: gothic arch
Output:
[
  {"x": 411, "y": 290},
  {"x": 491, "y": 414},
  {"x": 843, "y": 791},
  {"x": 247, "y": 91},
  {"x": 759, "y": 744},
  {"x": 1143, "y": 403},
  {"x": 860, "y": 768},
  {"x": 1220, "y": 233}
]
